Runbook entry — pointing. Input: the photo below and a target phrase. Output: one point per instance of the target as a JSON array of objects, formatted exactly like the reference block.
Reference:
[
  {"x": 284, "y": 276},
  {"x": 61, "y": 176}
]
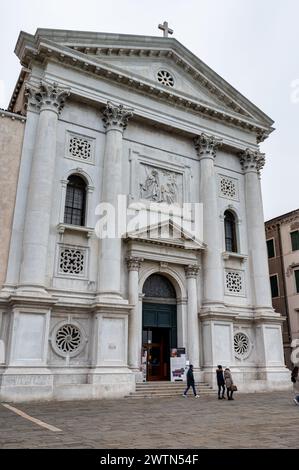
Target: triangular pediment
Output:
[
  {"x": 167, "y": 233},
  {"x": 139, "y": 59},
  {"x": 156, "y": 70}
]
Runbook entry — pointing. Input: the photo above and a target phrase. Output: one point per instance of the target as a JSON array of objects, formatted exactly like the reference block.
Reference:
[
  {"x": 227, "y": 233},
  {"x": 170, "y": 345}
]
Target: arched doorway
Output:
[{"x": 159, "y": 325}]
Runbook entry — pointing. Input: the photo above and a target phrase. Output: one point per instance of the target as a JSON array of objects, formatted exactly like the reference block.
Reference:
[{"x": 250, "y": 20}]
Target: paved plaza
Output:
[{"x": 266, "y": 420}]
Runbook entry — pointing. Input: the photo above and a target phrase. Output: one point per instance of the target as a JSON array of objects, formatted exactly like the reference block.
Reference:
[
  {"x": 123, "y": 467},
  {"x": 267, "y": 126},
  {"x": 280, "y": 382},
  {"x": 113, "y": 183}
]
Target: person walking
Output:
[
  {"x": 220, "y": 383},
  {"x": 190, "y": 382},
  {"x": 295, "y": 380},
  {"x": 228, "y": 383}
]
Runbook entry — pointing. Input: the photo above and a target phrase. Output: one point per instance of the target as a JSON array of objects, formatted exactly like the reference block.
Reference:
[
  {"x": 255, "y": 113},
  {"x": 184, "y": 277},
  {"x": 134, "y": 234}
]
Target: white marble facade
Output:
[{"x": 100, "y": 107}]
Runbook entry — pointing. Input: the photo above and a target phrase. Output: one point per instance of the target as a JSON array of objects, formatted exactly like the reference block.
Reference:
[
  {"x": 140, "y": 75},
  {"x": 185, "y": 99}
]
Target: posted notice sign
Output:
[{"x": 178, "y": 365}]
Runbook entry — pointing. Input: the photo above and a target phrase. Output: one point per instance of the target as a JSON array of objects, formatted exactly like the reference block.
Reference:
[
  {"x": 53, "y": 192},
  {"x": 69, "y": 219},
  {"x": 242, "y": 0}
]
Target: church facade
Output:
[{"x": 134, "y": 125}]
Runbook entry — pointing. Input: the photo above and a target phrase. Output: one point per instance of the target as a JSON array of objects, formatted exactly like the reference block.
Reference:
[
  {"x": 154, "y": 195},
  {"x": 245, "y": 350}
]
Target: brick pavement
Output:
[{"x": 266, "y": 420}]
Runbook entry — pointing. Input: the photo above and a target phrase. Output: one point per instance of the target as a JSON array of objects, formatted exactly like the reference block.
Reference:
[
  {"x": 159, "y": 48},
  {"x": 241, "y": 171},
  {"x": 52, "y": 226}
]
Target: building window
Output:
[
  {"x": 165, "y": 78},
  {"x": 274, "y": 286},
  {"x": 234, "y": 282},
  {"x": 75, "y": 201},
  {"x": 241, "y": 345},
  {"x": 270, "y": 248},
  {"x": 157, "y": 285},
  {"x": 296, "y": 272},
  {"x": 228, "y": 188},
  {"x": 72, "y": 261},
  {"x": 230, "y": 232},
  {"x": 68, "y": 338},
  {"x": 80, "y": 148},
  {"x": 295, "y": 240}
]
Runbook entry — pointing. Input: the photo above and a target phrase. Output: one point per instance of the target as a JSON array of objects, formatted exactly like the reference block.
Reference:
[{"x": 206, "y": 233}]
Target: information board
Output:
[{"x": 178, "y": 367}]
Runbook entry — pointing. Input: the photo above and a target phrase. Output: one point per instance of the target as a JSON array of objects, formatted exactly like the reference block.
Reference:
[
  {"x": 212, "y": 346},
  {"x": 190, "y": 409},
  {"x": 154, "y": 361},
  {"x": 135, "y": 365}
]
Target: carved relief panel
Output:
[{"x": 155, "y": 181}]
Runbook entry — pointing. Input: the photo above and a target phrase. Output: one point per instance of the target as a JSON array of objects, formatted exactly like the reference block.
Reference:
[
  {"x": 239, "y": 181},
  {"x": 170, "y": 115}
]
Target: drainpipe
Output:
[{"x": 284, "y": 283}]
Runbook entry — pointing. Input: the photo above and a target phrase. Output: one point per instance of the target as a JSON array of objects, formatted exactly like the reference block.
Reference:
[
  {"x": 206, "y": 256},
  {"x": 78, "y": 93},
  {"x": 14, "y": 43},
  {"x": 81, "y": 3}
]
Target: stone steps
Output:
[{"x": 167, "y": 389}]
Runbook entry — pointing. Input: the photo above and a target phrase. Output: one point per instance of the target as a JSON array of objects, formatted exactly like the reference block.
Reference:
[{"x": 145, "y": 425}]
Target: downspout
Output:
[{"x": 284, "y": 283}]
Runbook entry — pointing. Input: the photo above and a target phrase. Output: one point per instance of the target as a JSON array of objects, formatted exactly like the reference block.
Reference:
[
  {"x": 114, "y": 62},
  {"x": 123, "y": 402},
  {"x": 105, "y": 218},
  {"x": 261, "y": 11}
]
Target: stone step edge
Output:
[{"x": 133, "y": 396}]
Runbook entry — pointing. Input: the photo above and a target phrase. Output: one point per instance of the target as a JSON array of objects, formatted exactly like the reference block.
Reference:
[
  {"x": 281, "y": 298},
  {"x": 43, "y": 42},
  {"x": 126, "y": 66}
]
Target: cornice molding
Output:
[
  {"x": 288, "y": 219},
  {"x": 12, "y": 116},
  {"x": 42, "y": 49}
]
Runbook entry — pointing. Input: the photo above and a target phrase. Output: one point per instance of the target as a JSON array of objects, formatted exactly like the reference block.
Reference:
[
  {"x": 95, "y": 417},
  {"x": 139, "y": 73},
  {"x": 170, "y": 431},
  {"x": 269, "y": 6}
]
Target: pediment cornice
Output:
[
  {"x": 154, "y": 234},
  {"x": 87, "y": 50}
]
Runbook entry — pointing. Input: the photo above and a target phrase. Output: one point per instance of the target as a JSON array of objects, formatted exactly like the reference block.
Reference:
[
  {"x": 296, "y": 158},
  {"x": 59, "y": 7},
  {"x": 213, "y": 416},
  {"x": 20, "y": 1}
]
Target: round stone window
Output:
[
  {"x": 165, "y": 78},
  {"x": 68, "y": 338},
  {"x": 242, "y": 345}
]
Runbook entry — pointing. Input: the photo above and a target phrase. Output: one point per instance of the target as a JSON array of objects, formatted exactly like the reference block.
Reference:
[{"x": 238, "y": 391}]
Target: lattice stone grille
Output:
[
  {"x": 68, "y": 338},
  {"x": 80, "y": 148},
  {"x": 234, "y": 282},
  {"x": 241, "y": 344},
  {"x": 165, "y": 78},
  {"x": 228, "y": 188},
  {"x": 72, "y": 261}
]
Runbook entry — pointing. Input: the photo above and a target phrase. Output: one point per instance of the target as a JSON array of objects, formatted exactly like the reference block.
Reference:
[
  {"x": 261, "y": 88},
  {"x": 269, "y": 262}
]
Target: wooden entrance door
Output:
[
  {"x": 158, "y": 353},
  {"x": 159, "y": 336}
]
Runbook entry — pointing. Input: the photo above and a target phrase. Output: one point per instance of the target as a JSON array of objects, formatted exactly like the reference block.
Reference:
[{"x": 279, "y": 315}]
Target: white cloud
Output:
[{"x": 2, "y": 94}]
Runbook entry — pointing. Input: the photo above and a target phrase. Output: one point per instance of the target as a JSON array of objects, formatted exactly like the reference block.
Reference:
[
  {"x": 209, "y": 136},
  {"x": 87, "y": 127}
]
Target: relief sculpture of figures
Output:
[
  {"x": 155, "y": 190},
  {"x": 169, "y": 190},
  {"x": 150, "y": 189}
]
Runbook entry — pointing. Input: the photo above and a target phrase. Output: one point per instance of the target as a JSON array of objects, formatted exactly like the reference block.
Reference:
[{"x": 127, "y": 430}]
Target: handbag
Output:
[{"x": 234, "y": 388}]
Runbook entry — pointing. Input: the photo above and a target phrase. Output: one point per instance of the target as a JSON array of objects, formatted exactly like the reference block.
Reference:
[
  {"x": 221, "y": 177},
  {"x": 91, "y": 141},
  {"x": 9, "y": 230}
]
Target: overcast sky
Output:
[{"x": 253, "y": 44}]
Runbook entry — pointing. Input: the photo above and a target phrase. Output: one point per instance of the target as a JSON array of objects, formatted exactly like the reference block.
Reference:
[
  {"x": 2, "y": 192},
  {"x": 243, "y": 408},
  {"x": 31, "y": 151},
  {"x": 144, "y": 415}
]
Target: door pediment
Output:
[{"x": 167, "y": 233}]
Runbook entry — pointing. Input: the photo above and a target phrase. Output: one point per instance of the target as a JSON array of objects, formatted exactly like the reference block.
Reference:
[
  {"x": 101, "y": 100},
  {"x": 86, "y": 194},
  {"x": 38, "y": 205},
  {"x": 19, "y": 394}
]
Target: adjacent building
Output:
[
  {"x": 137, "y": 125},
  {"x": 282, "y": 234}
]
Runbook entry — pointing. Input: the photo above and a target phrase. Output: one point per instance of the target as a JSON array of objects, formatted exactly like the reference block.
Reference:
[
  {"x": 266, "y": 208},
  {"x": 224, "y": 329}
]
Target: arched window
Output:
[
  {"x": 230, "y": 232},
  {"x": 75, "y": 201},
  {"x": 157, "y": 285}
]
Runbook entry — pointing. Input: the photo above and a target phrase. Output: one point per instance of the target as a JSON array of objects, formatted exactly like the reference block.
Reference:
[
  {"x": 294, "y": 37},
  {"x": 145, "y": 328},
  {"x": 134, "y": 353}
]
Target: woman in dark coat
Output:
[
  {"x": 190, "y": 382},
  {"x": 220, "y": 383}
]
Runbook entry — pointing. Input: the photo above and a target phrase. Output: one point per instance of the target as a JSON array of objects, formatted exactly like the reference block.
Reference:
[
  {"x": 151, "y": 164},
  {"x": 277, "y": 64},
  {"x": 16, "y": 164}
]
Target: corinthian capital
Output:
[
  {"x": 134, "y": 263},
  {"x": 252, "y": 160},
  {"x": 116, "y": 116},
  {"x": 206, "y": 145},
  {"x": 46, "y": 95},
  {"x": 191, "y": 271}
]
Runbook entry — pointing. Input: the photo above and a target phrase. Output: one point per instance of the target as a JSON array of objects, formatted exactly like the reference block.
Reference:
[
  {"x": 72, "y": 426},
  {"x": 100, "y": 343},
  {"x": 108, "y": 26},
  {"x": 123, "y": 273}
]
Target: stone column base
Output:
[
  {"x": 254, "y": 379},
  {"x": 42, "y": 384},
  {"x": 19, "y": 385}
]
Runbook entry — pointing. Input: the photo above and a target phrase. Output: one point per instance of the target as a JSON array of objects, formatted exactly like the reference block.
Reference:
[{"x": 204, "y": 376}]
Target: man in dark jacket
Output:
[
  {"x": 220, "y": 382},
  {"x": 190, "y": 382}
]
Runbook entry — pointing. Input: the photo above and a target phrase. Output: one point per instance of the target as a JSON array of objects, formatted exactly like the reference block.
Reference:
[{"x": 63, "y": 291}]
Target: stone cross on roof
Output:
[{"x": 165, "y": 29}]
